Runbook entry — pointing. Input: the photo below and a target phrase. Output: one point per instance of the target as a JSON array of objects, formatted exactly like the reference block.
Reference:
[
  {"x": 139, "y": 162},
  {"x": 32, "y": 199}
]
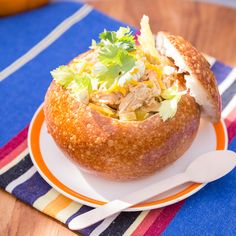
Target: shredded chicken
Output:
[
  {"x": 135, "y": 98},
  {"x": 109, "y": 98},
  {"x": 151, "y": 106},
  {"x": 156, "y": 90}
]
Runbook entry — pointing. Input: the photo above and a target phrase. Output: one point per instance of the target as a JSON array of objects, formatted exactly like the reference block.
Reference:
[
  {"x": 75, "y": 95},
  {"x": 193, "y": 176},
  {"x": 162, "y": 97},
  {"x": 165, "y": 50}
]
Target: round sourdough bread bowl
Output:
[{"x": 126, "y": 150}]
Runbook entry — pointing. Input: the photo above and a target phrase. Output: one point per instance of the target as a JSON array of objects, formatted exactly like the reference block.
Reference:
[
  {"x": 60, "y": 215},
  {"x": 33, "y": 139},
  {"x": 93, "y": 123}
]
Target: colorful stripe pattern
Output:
[{"x": 19, "y": 177}]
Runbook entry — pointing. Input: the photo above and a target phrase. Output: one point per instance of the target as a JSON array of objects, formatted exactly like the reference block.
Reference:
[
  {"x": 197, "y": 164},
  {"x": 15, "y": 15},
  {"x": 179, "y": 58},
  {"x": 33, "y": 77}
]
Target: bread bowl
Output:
[{"x": 123, "y": 110}]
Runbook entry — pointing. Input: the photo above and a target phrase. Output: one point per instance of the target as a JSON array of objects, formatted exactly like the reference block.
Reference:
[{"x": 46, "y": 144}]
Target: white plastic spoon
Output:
[{"x": 206, "y": 168}]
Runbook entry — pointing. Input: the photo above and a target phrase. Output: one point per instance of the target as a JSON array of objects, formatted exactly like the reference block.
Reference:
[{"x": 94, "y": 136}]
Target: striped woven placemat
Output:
[{"x": 33, "y": 44}]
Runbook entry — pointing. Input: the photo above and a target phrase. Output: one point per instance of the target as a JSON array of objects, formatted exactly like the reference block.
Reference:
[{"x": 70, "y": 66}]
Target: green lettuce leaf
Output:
[
  {"x": 146, "y": 38},
  {"x": 168, "y": 108},
  {"x": 170, "y": 92},
  {"x": 80, "y": 87},
  {"x": 81, "y": 94},
  {"x": 63, "y": 75},
  {"x": 84, "y": 82}
]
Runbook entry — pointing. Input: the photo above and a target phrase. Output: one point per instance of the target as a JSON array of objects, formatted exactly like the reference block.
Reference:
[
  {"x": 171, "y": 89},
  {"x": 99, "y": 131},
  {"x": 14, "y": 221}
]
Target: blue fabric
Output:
[
  {"x": 211, "y": 211},
  {"x": 229, "y": 93},
  {"x": 21, "y": 32},
  {"x": 221, "y": 71},
  {"x": 32, "y": 189},
  {"x": 23, "y": 91}
]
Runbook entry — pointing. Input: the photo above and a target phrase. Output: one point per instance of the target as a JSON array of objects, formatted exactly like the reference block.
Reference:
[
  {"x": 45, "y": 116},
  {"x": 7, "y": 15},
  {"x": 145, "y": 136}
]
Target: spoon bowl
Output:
[{"x": 211, "y": 166}]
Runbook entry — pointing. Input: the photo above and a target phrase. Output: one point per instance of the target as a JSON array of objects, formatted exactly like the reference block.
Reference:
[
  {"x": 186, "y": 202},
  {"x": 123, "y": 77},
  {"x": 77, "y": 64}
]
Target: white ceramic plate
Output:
[{"x": 65, "y": 176}]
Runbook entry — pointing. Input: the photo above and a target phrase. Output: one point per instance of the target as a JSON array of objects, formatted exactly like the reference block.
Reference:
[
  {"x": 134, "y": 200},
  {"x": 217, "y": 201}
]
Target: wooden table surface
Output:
[{"x": 211, "y": 28}]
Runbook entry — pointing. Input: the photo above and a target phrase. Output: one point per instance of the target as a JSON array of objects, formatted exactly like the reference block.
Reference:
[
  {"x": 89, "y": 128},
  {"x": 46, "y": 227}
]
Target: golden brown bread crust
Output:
[
  {"x": 200, "y": 70},
  {"x": 114, "y": 149}
]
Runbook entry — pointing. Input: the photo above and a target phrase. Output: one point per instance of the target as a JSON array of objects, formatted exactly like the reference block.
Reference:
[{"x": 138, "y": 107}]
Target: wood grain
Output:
[
  {"x": 17, "y": 218},
  {"x": 210, "y": 28}
]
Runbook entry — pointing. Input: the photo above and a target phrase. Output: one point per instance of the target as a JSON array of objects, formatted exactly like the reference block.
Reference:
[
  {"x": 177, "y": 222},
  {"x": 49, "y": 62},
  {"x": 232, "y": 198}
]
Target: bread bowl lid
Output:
[{"x": 200, "y": 80}]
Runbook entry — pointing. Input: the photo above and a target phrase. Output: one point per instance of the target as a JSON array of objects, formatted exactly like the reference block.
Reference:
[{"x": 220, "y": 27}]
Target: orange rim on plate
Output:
[{"x": 34, "y": 144}]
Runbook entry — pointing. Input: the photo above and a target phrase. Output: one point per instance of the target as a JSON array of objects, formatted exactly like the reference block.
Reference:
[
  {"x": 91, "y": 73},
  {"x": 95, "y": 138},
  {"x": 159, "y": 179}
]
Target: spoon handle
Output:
[{"x": 115, "y": 206}]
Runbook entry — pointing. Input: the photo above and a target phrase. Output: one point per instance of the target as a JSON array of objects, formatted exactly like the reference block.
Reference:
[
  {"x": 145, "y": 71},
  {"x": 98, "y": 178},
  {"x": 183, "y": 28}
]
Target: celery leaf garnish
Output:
[
  {"x": 123, "y": 38},
  {"x": 113, "y": 62}
]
